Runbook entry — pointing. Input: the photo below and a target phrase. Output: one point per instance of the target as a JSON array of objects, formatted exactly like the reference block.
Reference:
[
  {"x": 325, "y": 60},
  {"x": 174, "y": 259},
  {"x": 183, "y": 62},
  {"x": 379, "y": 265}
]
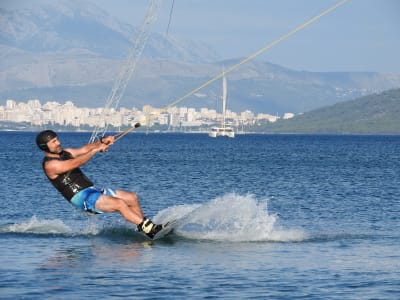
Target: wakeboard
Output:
[{"x": 167, "y": 229}]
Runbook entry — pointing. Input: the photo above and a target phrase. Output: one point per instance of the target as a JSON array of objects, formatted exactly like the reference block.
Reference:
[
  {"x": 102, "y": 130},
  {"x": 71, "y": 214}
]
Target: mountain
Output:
[
  {"x": 72, "y": 50},
  {"x": 81, "y": 27},
  {"x": 372, "y": 114}
]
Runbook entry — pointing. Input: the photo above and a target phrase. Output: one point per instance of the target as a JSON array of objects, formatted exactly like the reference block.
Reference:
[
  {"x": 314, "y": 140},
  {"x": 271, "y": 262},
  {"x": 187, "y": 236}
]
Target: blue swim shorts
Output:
[{"x": 86, "y": 199}]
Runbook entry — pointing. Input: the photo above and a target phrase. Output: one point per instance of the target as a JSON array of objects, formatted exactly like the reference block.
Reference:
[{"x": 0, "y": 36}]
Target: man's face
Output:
[{"x": 54, "y": 145}]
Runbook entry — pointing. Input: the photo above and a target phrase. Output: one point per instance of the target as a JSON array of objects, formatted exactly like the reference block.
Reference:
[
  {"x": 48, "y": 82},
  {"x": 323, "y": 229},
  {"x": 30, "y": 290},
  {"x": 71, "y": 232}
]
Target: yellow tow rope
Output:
[{"x": 234, "y": 67}]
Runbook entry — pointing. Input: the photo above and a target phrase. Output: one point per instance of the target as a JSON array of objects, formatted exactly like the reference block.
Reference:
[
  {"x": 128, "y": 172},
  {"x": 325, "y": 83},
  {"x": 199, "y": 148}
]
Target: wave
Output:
[
  {"x": 47, "y": 227},
  {"x": 231, "y": 217}
]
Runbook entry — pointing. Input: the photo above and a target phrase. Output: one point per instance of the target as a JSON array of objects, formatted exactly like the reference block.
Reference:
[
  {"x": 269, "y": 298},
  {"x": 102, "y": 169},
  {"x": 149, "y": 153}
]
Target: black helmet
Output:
[{"x": 43, "y": 138}]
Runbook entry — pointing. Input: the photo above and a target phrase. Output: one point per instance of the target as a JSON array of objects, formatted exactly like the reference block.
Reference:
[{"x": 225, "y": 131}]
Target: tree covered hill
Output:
[{"x": 373, "y": 114}]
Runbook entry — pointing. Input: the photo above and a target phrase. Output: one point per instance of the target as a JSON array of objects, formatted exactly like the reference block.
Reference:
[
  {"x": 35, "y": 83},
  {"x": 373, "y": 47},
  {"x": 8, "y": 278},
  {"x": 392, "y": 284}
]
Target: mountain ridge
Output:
[{"x": 72, "y": 50}]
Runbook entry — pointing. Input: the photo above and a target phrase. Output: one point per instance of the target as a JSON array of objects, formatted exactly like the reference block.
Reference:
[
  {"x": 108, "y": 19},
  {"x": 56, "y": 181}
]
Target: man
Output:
[{"x": 62, "y": 168}]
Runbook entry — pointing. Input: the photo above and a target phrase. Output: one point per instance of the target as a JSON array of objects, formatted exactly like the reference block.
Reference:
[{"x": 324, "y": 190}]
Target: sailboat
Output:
[{"x": 223, "y": 130}]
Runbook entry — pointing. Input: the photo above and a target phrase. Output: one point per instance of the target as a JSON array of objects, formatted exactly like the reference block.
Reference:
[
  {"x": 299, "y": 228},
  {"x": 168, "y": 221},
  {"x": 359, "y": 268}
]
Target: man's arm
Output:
[
  {"x": 108, "y": 140},
  {"x": 55, "y": 167}
]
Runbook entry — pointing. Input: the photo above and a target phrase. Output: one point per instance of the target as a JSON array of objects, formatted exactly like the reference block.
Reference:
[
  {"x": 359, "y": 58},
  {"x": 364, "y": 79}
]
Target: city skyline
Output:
[{"x": 68, "y": 114}]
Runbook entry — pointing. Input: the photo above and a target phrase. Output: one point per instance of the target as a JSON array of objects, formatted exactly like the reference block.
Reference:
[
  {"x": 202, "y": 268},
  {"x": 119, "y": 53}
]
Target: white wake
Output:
[{"x": 231, "y": 217}]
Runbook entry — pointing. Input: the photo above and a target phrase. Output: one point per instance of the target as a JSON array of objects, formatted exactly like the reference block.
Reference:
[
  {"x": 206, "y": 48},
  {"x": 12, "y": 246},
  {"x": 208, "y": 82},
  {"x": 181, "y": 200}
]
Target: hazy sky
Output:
[{"x": 361, "y": 35}]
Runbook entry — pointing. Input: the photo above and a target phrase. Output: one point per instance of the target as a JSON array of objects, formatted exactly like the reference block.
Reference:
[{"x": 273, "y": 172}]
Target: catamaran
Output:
[{"x": 223, "y": 130}]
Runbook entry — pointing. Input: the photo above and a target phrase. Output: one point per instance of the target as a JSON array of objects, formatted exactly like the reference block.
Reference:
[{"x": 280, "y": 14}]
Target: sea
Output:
[{"x": 259, "y": 217}]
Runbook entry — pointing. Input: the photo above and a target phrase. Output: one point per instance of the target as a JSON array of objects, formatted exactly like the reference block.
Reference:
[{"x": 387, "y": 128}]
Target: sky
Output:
[{"x": 361, "y": 35}]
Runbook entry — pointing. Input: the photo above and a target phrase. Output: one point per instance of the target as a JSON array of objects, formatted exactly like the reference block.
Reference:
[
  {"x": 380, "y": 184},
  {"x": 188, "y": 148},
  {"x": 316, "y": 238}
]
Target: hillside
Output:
[
  {"x": 373, "y": 114},
  {"x": 72, "y": 50}
]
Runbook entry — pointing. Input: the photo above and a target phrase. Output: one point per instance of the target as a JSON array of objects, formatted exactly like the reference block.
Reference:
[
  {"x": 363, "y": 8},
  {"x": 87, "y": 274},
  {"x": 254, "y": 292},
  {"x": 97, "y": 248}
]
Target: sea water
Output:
[{"x": 259, "y": 216}]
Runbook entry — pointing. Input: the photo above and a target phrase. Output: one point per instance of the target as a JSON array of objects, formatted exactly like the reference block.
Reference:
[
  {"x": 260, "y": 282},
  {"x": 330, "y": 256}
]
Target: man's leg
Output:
[
  {"x": 113, "y": 204},
  {"x": 131, "y": 199},
  {"x": 131, "y": 213}
]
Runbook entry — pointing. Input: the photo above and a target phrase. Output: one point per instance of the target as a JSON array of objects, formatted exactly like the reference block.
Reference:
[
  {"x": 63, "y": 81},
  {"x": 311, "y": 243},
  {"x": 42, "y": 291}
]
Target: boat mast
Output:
[{"x": 224, "y": 98}]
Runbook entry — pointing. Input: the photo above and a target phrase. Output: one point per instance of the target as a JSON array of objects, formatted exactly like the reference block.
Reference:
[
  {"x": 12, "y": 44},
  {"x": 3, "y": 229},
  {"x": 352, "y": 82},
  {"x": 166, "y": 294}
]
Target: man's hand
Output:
[
  {"x": 102, "y": 147},
  {"x": 108, "y": 140}
]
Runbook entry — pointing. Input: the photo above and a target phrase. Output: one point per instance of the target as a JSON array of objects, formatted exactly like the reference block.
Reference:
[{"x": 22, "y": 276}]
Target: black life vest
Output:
[{"x": 71, "y": 182}]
